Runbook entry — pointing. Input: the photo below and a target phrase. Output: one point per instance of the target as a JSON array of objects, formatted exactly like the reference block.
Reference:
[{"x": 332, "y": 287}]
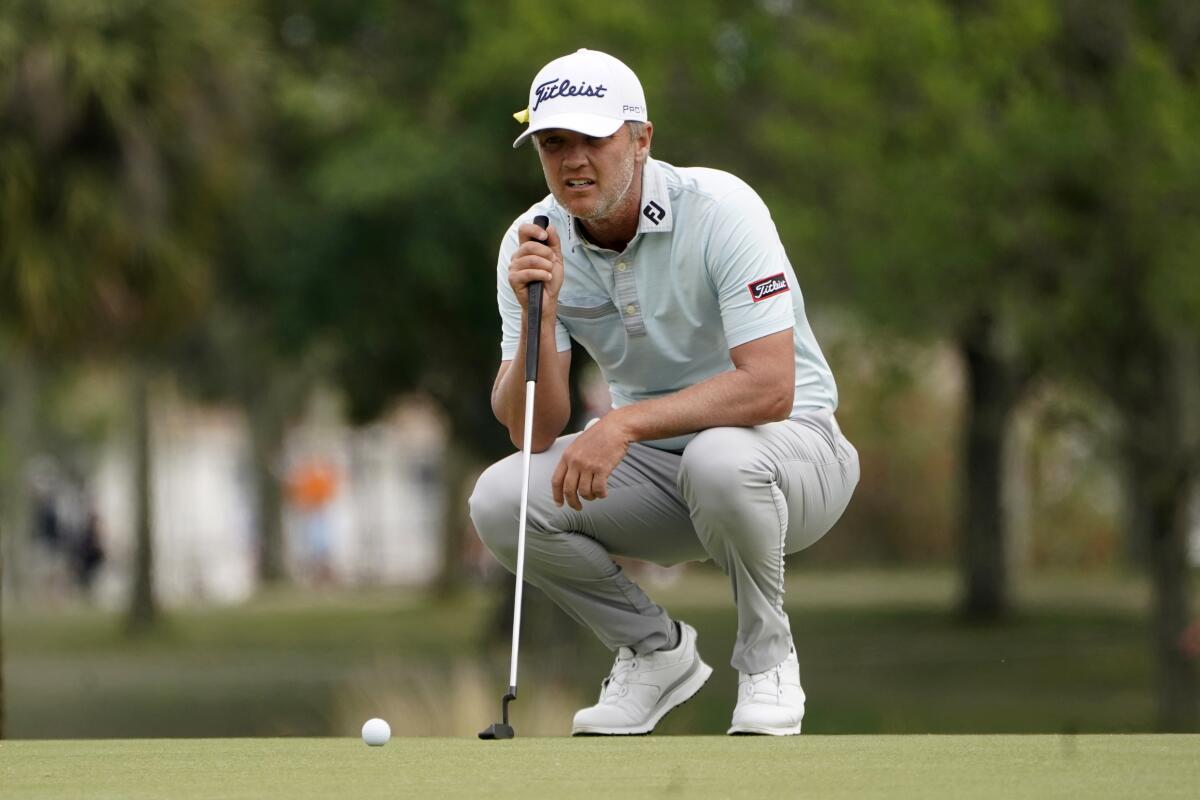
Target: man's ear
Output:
[{"x": 645, "y": 139}]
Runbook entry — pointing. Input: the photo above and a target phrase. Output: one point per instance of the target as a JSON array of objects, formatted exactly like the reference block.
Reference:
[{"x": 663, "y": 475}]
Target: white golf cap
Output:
[{"x": 587, "y": 91}]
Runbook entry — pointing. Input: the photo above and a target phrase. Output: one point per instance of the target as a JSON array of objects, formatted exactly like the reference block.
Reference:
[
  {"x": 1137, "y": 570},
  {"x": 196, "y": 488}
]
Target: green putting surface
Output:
[{"x": 652, "y": 767}]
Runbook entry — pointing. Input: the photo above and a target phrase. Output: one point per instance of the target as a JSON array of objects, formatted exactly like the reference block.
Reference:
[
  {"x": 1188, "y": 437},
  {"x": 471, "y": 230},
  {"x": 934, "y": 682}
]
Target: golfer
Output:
[{"x": 721, "y": 443}]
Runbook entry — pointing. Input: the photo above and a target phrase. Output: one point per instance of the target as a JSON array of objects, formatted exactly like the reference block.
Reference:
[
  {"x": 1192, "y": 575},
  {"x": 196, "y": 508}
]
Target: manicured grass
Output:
[
  {"x": 880, "y": 652},
  {"x": 928, "y": 767}
]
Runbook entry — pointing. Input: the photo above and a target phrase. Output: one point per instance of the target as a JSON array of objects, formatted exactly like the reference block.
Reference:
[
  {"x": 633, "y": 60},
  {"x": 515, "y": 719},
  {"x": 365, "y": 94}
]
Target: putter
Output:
[{"x": 533, "y": 334}]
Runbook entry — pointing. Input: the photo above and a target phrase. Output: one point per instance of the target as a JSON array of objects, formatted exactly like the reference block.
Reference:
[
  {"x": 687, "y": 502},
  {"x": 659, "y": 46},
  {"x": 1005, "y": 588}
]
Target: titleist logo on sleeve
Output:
[
  {"x": 763, "y": 288},
  {"x": 555, "y": 88}
]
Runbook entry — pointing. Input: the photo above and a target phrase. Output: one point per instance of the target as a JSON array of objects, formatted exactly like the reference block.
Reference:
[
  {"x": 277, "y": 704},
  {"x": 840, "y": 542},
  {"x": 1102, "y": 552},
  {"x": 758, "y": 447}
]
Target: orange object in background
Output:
[{"x": 312, "y": 485}]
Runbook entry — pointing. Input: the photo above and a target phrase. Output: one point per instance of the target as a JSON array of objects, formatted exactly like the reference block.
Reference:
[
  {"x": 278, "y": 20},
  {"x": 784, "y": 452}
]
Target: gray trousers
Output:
[{"x": 743, "y": 497}]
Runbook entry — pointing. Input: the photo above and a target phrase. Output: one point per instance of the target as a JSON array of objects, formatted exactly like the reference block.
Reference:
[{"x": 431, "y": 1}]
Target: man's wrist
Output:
[{"x": 625, "y": 422}]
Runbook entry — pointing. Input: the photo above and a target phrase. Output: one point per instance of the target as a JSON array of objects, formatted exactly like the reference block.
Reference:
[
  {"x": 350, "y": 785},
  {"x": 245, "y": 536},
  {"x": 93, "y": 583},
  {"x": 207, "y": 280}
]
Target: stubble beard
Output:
[{"x": 609, "y": 201}]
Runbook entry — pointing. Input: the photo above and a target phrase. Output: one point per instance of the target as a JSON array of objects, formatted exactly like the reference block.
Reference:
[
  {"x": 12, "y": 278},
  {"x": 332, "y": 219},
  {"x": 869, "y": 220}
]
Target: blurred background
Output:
[{"x": 248, "y": 333}]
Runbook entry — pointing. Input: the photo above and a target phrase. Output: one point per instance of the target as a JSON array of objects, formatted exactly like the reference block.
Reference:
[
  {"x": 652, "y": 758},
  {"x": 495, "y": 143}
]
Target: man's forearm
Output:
[
  {"x": 552, "y": 404},
  {"x": 738, "y": 398},
  {"x": 760, "y": 389}
]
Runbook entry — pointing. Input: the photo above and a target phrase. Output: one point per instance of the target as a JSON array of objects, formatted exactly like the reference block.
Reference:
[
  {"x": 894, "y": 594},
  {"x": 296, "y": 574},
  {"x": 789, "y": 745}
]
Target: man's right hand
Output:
[{"x": 536, "y": 260}]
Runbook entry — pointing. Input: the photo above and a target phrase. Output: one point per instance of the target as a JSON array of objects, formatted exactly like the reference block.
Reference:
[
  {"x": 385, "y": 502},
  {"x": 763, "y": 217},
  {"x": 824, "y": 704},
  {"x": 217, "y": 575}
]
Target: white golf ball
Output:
[{"x": 376, "y": 732}]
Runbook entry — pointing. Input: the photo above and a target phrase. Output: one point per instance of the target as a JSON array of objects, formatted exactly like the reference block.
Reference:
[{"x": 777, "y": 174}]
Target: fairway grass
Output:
[
  {"x": 881, "y": 652},
  {"x": 643, "y": 767}
]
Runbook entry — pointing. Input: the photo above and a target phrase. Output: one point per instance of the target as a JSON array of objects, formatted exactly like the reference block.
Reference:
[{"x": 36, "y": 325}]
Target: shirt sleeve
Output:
[
  {"x": 510, "y": 309},
  {"x": 749, "y": 269}
]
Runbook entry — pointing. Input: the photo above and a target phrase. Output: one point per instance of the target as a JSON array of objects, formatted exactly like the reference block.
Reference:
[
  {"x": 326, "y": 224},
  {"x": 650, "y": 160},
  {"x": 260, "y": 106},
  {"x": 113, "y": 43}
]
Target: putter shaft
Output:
[{"x": 533, "y": 334}]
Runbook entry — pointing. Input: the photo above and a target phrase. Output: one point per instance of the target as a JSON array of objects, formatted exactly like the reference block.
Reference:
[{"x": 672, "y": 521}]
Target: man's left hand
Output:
[{"x": 588, "y": 461}]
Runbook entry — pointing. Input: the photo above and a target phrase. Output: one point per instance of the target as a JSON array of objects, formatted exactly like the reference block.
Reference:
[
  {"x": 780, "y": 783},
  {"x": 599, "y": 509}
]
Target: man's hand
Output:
[
  {"x": 588, "y": 461},
  {"x": 536, "y": 260}
]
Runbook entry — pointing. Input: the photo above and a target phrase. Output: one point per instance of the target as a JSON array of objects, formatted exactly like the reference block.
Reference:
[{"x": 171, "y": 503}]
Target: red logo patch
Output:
[{"x": 763, "y": 288}]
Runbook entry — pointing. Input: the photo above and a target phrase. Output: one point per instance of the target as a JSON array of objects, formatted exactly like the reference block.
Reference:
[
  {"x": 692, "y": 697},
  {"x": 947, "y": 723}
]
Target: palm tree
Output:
[{"x": 121, "y": 125}]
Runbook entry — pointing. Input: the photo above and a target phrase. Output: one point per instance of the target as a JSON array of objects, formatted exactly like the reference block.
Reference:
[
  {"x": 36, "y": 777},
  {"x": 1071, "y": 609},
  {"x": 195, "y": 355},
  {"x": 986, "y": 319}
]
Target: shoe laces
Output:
[
  {"x": 769, "y": 681},
  {"x": 615, "y": 684}
]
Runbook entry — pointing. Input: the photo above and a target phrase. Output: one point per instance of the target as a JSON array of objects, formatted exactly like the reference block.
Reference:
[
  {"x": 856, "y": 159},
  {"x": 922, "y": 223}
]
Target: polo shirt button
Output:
[
  {"x": 631, "y": 309},
  {"x": 622, "y": 267}
]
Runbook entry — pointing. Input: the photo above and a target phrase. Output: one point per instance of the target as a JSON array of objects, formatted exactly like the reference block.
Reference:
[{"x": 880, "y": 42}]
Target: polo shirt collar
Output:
[{"x": 655, "y": 215}]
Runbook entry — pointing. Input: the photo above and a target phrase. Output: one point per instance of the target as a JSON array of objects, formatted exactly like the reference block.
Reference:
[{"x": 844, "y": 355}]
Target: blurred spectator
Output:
[
  {"x": 311, "y": 487},
  {"x": 88, "y": 551},
  {"x": 48, "y": 529}
]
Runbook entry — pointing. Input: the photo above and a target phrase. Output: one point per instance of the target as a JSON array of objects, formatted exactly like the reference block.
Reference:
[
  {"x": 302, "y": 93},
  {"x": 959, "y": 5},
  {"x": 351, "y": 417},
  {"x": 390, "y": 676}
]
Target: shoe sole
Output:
[
  {"x": 762, "y": 730},
  {"x": 682, "y": 693}
]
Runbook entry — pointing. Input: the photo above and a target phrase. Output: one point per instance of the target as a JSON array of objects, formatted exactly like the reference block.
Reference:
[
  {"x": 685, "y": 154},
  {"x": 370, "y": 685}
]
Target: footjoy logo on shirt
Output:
[
  {"x": 763, "y": 288},
  {"x": 654, "y": 212},
  {"x": 555, "y": 88}
]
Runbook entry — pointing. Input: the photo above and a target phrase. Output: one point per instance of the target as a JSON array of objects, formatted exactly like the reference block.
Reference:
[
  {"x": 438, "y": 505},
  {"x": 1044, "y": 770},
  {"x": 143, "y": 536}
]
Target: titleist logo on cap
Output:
[
  {"x": 548, "y": 90},
  {"x": 763, "y": 288}
]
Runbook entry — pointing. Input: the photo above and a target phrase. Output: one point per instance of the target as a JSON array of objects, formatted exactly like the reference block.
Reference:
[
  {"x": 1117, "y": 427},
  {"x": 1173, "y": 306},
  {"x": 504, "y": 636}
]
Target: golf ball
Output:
[{"x": 376, "y": 732}]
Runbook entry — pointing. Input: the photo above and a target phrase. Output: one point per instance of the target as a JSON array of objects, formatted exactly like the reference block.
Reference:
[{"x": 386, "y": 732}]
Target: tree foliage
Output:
[{"x": 117, "y": 122}]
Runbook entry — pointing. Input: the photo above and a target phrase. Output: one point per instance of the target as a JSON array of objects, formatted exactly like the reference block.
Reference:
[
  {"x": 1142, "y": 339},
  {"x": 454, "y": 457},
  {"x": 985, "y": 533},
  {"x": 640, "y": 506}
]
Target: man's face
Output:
[{"x": 591, "y": 176}]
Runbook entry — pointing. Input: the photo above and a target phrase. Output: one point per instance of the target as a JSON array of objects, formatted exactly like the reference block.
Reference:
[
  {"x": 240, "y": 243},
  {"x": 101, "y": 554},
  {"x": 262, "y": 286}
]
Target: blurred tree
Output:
[
  {"x": 247, "y": 350},
  {"x": 19, "y": 389},
  {"x": 18, "y": 397},
  {"x": 119, "y": 126},
  {"x": 1122, "y": 282},
  {"x": 342, "y": 233},
  {"x": 889, "y": 130},
  {"x": 1021, "y": 178}
]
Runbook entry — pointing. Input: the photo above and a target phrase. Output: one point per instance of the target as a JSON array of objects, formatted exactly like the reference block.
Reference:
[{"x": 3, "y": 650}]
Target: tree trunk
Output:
[
  {"x": 1161, "y": 449},
  {"x": 1159, "y": 504},
  {"x": 143, "y": 608},
  {"x": 20, "y": 437},
  {"x": 267, "y": 435},
  {"x": 992, "y": 390},
  {"x": 19, "y": 406},
  {"x": 457, "y": 469}
]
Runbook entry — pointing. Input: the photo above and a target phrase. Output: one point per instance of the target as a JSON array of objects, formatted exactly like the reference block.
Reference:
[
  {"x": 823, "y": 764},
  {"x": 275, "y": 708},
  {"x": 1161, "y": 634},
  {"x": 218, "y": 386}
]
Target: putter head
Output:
[{"x": 498, "y": 730}]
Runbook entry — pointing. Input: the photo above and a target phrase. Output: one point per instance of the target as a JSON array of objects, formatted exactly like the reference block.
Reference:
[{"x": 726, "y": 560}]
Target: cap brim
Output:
[{"x": 587, "y": 124}]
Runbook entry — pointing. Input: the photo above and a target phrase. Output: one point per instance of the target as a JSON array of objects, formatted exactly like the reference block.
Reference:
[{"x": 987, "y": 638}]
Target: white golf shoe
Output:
[
  {"x": 640, "y": 690},
  {"x": 770, "y": 703}
]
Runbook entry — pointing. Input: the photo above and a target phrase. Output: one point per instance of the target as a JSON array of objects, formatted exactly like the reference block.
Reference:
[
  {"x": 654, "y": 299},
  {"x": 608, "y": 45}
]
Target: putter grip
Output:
[{"x": 533, "y": 331}]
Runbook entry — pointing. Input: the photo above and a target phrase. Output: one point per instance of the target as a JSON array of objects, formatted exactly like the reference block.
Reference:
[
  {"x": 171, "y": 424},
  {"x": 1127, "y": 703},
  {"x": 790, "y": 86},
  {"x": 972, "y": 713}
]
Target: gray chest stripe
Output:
[{"x": 580, "y": 312}]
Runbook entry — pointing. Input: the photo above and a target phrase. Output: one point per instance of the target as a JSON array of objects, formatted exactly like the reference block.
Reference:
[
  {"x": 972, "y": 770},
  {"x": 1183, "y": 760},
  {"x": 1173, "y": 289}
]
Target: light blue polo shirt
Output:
[{"x": 705, "y": 272}]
